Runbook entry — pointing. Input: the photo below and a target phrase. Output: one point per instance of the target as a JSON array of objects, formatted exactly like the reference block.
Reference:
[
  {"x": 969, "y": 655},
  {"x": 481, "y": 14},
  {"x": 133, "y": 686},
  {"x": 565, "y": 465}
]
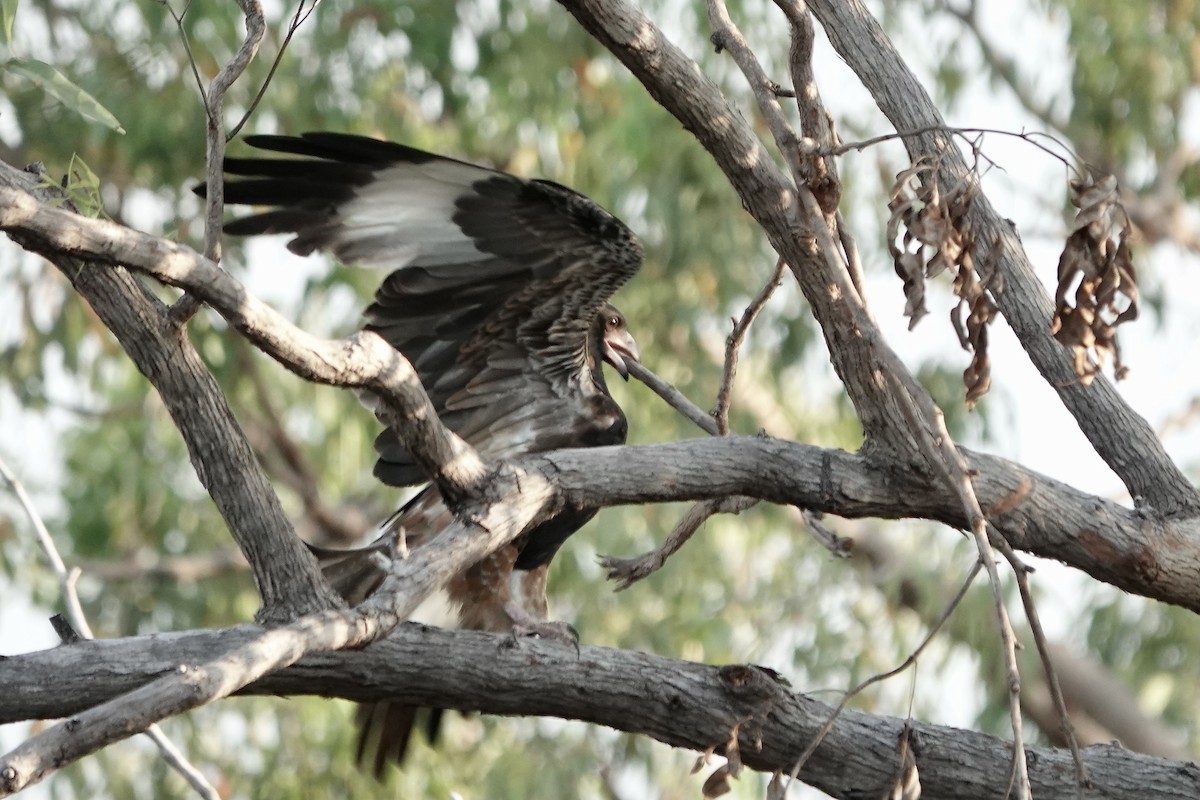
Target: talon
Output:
[{"x": 526, "y": 624}]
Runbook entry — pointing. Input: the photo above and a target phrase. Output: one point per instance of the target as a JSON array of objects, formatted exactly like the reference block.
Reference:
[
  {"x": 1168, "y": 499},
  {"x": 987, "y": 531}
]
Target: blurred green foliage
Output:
[{"x": 517, "y": 84}]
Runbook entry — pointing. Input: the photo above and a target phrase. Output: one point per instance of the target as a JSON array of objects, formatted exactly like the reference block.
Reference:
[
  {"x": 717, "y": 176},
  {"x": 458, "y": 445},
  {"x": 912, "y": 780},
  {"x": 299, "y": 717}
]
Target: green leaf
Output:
[
  {"x": 59, "y": 86},
  {"x": 8, "y": 14}
]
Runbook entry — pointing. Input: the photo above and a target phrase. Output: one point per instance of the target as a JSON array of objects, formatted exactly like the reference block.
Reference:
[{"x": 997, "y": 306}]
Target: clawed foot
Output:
[{"x": 526, "y": 624}]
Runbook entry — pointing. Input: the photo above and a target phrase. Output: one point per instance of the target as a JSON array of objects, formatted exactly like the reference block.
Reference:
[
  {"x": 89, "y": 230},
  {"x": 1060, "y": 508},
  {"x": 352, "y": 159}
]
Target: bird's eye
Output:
[{"x": 614, "y": 322}]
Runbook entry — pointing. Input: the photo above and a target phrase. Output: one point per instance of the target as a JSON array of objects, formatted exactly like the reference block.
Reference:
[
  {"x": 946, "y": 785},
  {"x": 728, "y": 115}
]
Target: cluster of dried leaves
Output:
[
  {"x": 1097, "y": 264},
  {"x": 928, "y": 233}
]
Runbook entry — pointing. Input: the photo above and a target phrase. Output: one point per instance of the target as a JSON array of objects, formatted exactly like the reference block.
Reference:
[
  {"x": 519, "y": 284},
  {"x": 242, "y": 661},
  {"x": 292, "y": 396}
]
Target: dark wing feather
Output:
[{"x": 495, "y": 287}]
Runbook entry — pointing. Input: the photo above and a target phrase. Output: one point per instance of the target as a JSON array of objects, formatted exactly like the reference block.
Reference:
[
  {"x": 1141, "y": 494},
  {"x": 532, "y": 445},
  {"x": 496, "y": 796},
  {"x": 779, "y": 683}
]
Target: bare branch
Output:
[
  {"x": 174, "y": 757},
  {"x": 1120, "y": 436},
  {"x": 299, "y": 18},
  {"x": 628, "y": 571},
  {"x": 674, "y": 398},
  {"x": 684, "y": 705},
  {"x": 214, "y": 137},
  {"x": 734, "y": 343},
  {"x": 1021, "y": 571},
  {"x": 912, "y": 658}
]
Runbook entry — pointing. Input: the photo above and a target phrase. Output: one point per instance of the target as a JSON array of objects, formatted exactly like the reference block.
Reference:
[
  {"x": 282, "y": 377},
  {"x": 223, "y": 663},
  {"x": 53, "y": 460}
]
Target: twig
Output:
[
  {"x": 854, "y": 264},
  {"x": 727, "y": 35},
  {"x": 298, "y": 19},
  {"x": 912, "y": 659},
  {"x": 1005, "y": 68},
  {"x": 674, "y": 398},
  {"x": 187, "y": 47},
  {"x": 734, "y": 342},
  {"x": 941, "y": 451},
  {"x": 1022, "y": 571},
  {"x": 214, "y": 136},
  {"x": 79, "y": 625},
  {"x": 809, "y": 145},
  {"x": 628, "y": 571},
  {"x": 836, "y": 545}
]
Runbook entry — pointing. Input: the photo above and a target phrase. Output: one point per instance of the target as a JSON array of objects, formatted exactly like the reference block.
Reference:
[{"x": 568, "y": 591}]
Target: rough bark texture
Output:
[
  {"x": 112, "y": 689},
  {"x": 1120, "y": 436},
  {"x": 680, "y": 703}
]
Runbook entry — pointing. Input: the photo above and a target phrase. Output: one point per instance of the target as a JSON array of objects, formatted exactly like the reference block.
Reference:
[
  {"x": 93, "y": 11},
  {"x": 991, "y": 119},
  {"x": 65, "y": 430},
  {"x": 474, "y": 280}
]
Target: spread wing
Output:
[{"x": 496, "y": 283}]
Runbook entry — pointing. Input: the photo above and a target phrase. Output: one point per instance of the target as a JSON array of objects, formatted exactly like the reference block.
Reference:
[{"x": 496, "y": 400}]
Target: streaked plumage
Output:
[{"x": 498, "y": 294}]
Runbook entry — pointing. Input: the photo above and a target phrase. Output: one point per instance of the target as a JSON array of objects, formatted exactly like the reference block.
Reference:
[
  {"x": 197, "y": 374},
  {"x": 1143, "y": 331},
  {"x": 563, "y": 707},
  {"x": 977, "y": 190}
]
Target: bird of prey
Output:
[{"x": 498, "y": 295}]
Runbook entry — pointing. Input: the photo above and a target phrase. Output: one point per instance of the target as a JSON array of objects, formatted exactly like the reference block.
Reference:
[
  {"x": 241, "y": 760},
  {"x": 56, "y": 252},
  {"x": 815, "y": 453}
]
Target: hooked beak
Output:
[{"x": 620, "y": 348}]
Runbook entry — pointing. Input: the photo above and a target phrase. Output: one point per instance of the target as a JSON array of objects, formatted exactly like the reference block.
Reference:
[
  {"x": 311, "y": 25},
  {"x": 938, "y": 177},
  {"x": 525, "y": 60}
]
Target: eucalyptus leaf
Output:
[{"x": 59, "y": 86}]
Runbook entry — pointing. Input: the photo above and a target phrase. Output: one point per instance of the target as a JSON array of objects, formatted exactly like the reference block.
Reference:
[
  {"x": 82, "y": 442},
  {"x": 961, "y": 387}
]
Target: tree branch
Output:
[
  {"x": 1036, "y": 514},
  {"x": 1120, "y": 436},
  {"x": 363, "y": 360},
  {"x": 677, "y": 702},
  {"x": 488, "y": 524}
]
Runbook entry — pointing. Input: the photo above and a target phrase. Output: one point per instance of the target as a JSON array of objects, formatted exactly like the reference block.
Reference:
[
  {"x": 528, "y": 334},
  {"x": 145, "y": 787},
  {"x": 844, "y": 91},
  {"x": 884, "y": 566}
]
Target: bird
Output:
[{"x": 498, "y": 294}]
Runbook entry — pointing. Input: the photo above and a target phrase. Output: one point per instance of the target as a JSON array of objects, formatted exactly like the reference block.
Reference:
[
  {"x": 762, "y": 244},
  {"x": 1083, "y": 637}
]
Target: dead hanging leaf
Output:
[
  {"x": 1097, "y": 264},
  {"x": 703, "y": 759},
  {"x": 928, "y": 234},
  {"x": 908, "y": 781},
  {"x": 717, "y": 783},
  {"x": 733, "y": 752}
]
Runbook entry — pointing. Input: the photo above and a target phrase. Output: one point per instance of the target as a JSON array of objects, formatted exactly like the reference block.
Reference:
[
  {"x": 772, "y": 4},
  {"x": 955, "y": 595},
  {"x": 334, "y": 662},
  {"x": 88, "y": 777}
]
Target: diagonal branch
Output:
[
  {"x": 67, "y": 580},
  {"x": 524, "y": 499},
  {"x": 1039, "y": 515},
  {"x": 855, "y": 345},
  {"x": 1119, "y": 435}
]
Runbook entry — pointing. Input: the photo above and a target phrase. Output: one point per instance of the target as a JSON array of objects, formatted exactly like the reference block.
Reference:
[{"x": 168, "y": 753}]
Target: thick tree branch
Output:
[
  {"x": 681, "y": 703},
  {"x": 363, "y": 360},
  {"x": 487, "y": 525},
  {"x": 856, "y": 347},
  {"x": 1036, "y": 514},
  {"x": 1128, "y": 549},
  {"x": 1120, "y": 436}
]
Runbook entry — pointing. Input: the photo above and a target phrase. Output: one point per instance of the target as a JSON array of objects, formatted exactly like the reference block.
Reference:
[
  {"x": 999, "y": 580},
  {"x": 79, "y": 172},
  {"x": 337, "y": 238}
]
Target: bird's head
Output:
[{"x": 619, "y": 348}]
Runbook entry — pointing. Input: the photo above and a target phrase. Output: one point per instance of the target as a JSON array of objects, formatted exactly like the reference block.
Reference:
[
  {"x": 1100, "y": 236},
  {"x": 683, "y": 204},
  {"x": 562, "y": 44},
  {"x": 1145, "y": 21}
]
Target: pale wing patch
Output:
[{"x": 406, "y": 216}]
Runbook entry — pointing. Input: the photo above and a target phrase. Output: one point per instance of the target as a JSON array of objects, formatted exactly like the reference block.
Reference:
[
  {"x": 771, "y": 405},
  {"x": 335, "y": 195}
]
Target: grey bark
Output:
[{"x": 683, "y": 704}]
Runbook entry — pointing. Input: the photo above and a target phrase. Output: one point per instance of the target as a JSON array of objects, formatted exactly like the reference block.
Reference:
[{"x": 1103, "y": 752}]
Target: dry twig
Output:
[
  {"x": 67, "y": 579},
  {"x": 214, "y": 136},
  {"x": 912, "y": 659},
  {"x": 733, "y": 345}
]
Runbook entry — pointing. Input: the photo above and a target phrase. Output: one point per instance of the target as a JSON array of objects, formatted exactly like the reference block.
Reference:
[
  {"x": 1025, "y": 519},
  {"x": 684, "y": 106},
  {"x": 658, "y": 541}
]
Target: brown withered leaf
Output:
[
  {"x": 717, "y": 783},
  {"x": 908, "y": 781},
  {"x": 733, "y": 752},
  {"x": 1097, "y": 265},
  {"x": 928, "y": 234},
  {"x": 703, "y": 759}
]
